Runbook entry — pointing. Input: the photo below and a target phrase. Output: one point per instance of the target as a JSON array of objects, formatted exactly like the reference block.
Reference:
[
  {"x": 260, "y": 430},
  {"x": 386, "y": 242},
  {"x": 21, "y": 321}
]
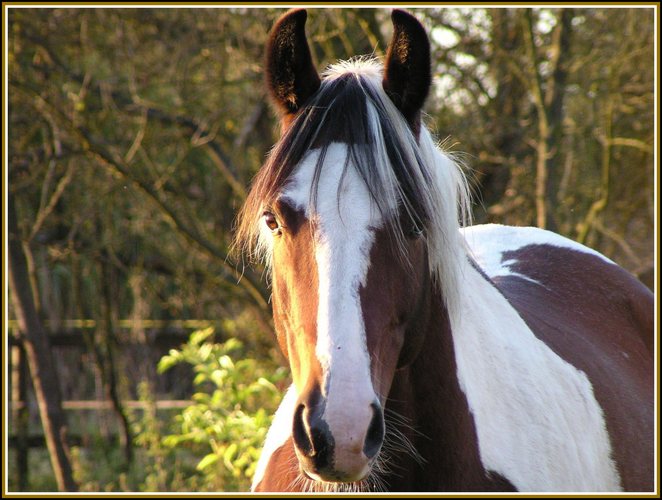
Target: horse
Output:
[{"x": 428, "y": 354}]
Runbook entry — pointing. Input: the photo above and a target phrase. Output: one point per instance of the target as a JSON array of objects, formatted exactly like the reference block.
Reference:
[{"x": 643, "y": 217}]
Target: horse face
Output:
[
  {"x": 344, "y": 297},
  {"x": 344, "y": 300}
]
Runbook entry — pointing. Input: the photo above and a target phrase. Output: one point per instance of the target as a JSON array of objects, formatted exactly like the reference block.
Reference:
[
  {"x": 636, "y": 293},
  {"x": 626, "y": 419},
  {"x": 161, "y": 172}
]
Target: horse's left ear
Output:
[
  {"x": 407, "y": 75},
  {"x": 289, "y": 71}
]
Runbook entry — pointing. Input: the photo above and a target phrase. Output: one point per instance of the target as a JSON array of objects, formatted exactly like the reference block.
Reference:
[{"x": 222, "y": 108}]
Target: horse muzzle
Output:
[{"x": 336, "y": 444}]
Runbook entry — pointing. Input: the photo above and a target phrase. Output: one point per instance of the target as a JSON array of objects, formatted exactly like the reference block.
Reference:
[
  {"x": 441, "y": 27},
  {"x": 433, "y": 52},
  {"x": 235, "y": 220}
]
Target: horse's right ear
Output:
[{"x": 290, "y": 74}]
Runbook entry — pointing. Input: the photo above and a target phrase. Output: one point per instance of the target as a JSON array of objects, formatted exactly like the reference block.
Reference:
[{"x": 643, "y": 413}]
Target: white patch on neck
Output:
[
  {"x": 345, "y": 220},
  {"x": 489, "y": 242},
  {"x": 537, "y": 419}
]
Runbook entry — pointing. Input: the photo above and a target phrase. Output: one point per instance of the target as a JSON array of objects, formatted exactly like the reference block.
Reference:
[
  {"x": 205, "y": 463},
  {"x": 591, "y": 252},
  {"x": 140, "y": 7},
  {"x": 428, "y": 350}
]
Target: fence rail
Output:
[
  {"x": 75, "y": 333},
  {"x": 192, "y": 324},
  {"x": 96, "y": 405},
  {"x": 76, "y": 338}
]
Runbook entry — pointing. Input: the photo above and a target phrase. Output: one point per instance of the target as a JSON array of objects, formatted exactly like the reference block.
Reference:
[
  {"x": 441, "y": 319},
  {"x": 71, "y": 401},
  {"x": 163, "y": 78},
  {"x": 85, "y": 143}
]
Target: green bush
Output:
[
  {"x": 211, "y": 445},
  {"x": 233, "y": 404}
]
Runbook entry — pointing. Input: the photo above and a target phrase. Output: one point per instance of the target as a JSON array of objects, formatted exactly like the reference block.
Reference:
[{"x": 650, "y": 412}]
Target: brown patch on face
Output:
[
  {"x": 598, "y": 318},
  {"x": 414, "y": 372},
  {"x": 395, "y": 305},
  {"x": 295, "y": 294}
]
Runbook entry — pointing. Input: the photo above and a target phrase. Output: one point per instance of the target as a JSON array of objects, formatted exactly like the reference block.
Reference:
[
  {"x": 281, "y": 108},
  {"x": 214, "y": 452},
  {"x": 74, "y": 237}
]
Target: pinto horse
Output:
[{"x": 425, "y": 356}]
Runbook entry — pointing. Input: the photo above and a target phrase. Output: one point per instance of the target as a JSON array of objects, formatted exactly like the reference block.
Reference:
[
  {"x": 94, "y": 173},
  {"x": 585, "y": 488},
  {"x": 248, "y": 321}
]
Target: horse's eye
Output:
[
  {"x": 271, "y": 221},
  {"x": 415, "y": 232}
]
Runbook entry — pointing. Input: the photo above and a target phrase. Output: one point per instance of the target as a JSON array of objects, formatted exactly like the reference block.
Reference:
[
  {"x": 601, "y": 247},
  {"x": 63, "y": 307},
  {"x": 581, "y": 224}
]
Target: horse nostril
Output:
[
  {"x": 311, "y": 435},
  {"x": 375, "y": 435},
  {"x": 300, "y": 434}
]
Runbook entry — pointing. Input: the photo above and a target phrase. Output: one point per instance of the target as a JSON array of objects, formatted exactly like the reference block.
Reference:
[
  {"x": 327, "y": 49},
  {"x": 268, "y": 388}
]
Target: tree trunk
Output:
[
  {"x": 506, "y": 110},
  {"x": 107, "y": 363},
  {"x": 556, "y": 89},
  {"x": 40, "y": 358},
  {"x": 548, "y": 101}
]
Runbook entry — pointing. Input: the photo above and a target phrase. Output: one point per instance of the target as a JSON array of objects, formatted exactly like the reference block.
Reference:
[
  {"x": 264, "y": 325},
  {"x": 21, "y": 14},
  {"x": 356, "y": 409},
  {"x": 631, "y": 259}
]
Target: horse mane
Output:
[{"x": 411, "y": 181}]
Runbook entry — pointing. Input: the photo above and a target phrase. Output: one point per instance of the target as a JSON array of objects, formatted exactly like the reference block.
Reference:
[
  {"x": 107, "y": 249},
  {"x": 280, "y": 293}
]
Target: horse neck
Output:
[{"x": 439, "y": 424}]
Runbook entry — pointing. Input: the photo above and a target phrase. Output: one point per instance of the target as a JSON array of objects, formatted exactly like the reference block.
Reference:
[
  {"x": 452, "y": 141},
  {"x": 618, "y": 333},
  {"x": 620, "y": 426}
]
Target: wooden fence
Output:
[{"x": 164, "y": 334}]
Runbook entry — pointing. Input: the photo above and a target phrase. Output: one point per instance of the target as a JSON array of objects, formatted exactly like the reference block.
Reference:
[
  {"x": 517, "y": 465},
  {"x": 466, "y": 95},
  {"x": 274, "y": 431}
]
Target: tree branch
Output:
[
  {"x": 45, "y": 211},
  {"x": 129, "y": 101},
  {"x": 117, "y": 165},
  {"x": 535, "y": 86}
]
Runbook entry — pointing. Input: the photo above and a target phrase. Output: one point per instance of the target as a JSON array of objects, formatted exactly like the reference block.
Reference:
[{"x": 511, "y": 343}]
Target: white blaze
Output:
[{"x": 344, "y": 220}]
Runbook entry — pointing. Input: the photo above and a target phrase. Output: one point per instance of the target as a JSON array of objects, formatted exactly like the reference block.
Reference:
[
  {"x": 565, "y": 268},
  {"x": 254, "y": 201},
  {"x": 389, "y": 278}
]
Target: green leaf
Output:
[
  {"x": 200, "y": 378},
  {"x": 208, "y": 460},
  {"x": 218, "y": 377},
  {"x": 199, "y": 336},
  {"x": 226, "y": 362},
  {"x": 232, "y": 344},
  {"x": 169, "y": 360},
  {"x": 263, "y": 382},
  {"x": 229, "y": 455}
]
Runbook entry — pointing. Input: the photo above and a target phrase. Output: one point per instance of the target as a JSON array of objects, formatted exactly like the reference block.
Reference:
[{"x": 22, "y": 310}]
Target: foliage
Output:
[
  {"x": 231, "y": 411},
  {"x": 99, "y": 465},
  {"x": 211, "y": 445}
]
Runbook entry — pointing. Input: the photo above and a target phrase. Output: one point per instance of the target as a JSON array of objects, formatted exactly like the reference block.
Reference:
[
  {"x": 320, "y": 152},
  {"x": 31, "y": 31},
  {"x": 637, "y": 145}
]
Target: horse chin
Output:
[{"x": 335, "y": 477}]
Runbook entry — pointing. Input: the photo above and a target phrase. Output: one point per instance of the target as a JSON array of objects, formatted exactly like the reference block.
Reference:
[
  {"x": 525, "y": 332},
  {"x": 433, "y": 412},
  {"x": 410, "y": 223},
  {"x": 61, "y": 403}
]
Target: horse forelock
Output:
[{"x": 409, "y": 180}]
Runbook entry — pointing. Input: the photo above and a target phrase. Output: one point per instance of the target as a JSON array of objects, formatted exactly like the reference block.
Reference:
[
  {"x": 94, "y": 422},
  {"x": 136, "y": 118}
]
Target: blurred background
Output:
[{"x": 138, "y": 360}]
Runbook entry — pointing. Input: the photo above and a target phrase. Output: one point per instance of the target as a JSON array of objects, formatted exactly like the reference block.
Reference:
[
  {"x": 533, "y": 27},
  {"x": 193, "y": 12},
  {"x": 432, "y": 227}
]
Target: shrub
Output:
[{"x": 234, "y": 400}]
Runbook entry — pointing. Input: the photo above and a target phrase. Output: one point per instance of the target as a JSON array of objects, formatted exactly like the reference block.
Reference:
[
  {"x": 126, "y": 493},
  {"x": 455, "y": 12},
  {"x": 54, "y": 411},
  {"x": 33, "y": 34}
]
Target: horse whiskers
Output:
[
  {"x": 396, "y": 440},
  {"x": 371, "y": 483},
  {"x": 394, "y": 417}
]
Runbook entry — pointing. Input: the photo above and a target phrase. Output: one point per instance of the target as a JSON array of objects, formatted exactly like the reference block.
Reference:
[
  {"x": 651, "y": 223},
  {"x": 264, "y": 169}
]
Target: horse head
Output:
[{"x": 340, "y": 212}]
